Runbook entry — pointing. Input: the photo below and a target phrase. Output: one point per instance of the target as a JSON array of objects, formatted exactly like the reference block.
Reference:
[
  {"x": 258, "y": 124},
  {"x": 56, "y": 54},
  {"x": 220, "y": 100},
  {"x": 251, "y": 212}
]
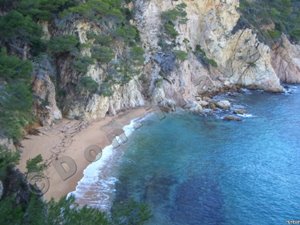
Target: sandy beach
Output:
[{"x": 71, "y": 138}]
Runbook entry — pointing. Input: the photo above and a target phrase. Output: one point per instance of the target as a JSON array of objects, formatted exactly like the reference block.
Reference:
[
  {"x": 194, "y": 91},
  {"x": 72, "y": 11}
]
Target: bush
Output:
[
  {"x": 43, "y": 9},
  {"x": 11, "y": 67},
  {"x": 81, "y": 64},
  {"x": 102, "y": 54},
  {"x": 98, "y": 9},
  {"x": 171, "y": 17},
  {"x": 63, "y": 44},
  {"x": 15, "y": 26},
  {"x": 87, "y": 85},
  {"x": 285, "y": 14},
  {"x": 181, "y": 55},
  {"x": 201, "y": 55},
  {"x": 128, "y": 33},
  {"x": 15, "y": 111},
  {"x": 7, "y": 160},
  {"x": 137, "y": 55},
  {"x": 35, "y": 165}
]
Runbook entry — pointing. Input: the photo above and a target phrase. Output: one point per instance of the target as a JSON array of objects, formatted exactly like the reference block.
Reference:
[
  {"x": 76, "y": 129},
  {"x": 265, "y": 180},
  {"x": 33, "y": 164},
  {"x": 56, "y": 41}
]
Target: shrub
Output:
[
  {"x": 15, "y": 26},
  {"x": 43, "y": 9},
  {"x": 171, "y": 17},
  {"x": 201, "y": 55},
  {"x": 106, "y": 89},
  {"x": 102, "y": 54},
  {"x": 11, "y": 67},
  {"x": 36, "y": 164},
  {"x": 285, "y": 14},
  {"x": 137, "y": 55},
  {"x": 128, "y": 33},
  {"x": 81, "y": 64},
  {"x": 63, "y": 44},
  {"x": 87, "y": 85},
  {"x": 7, "y": 159},
  {"x": 15, "y": 111},
  {"x": 97, "y": 9},
  {"x": 181, "y": 55}
]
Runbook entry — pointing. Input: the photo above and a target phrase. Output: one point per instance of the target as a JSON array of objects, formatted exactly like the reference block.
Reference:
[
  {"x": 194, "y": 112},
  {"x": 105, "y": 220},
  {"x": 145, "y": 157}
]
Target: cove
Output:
[{"x": 194, "y": 170}]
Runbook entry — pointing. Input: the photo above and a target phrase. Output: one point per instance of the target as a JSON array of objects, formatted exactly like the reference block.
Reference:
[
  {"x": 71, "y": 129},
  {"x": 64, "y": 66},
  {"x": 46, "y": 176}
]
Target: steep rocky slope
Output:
[{"x": 190, "y": 48}]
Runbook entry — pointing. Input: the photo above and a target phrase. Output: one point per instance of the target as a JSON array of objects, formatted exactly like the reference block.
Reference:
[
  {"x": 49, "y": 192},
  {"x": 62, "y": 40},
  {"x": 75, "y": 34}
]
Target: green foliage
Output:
[
  {"x": 131, "y": 213},
  {"x": 15, "y": 108},
  {"x": 285, "y": 14},
  {"x": 181, "y": 55},
  {"x": 67, "y": 212},
  {"x": 36, "y": 164},
  {"x": 201, "y": 55},
  {"x": 128, "y": 33},
  {"x": 7, "y": 160},
  {"x": 15, "y": 26},
  {"x": 171, "y": 17},
  {"x": 103, "y": 40},
  {"x": 63, "y": 44},
  {"x": 81, "y": 64},
  {"x": 43, "y": 9},
  {"x": 10, "y": 213},
  {"x": 35, "y": 211},
  {"x": 98, "y": 9},
  {"x": 137, "y": 55},
  {"x": 106, "y": 89},
  {"x": 87, "y": 85},
  {"x": 102, "y": 54},
  {"x": 11, "y": 67}
]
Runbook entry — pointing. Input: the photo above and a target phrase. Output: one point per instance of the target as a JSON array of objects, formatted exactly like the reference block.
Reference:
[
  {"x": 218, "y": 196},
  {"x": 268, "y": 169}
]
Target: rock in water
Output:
[
  {"x": 240, "y": 111},
  {"x": 224, "y": 104},
  {"x": 232, "y": 118}
]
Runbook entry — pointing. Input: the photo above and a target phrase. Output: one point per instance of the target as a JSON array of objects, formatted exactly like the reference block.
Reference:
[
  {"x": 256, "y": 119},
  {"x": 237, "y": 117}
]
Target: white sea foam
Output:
[
  {"x": 97, "y": 186},
  {"x": 246, "y": 115}
]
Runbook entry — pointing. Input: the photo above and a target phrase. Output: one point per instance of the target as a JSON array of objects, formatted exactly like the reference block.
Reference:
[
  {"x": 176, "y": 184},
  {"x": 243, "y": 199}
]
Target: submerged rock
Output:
[
  {"x": 232, "y": 118},
  {"x": 240, "y": 111}
]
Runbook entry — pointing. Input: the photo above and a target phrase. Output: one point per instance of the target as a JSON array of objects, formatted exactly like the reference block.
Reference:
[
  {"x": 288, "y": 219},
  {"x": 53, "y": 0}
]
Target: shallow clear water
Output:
[{"x": 200, "y": 170}]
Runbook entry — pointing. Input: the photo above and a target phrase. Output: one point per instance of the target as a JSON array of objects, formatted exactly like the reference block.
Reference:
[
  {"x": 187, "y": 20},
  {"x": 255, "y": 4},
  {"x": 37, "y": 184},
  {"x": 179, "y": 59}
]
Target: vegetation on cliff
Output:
[
  {"x": 271, "y": 18},
  {"x": 22, "y": 44}
]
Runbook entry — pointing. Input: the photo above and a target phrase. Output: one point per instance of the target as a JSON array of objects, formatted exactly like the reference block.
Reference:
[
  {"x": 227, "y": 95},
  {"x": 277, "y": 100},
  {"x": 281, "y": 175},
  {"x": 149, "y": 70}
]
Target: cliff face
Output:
[{"x": 216, "y": 58}]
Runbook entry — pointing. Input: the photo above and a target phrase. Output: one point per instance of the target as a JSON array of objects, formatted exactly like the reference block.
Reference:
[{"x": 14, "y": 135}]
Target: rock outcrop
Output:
[
  {"x": 237, "y": 58},
  {"x": 286, "y": 61},
  {"x": 45, "y": 93}
]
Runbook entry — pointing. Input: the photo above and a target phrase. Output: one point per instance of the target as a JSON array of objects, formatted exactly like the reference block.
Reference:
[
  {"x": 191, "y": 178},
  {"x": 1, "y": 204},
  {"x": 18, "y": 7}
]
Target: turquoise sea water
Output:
[{"x": 195, "y": 170}]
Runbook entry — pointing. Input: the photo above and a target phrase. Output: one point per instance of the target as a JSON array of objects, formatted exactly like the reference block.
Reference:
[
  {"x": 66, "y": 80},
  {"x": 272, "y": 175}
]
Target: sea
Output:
[{"x": 195, "y": 169}]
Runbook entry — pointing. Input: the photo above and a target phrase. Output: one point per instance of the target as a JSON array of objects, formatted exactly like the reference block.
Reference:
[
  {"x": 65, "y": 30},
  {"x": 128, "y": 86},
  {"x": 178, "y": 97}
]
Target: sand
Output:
[{"x": 71, "y": 138}]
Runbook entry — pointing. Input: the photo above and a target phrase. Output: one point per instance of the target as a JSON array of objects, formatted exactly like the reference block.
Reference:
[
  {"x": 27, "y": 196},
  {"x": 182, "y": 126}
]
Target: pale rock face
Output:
[
  {"x": 97, "y": 107},
  {"x": 241, "y": 59},
  {"x": 44, "y": 90},
  {"x": 286, "y": 61}
]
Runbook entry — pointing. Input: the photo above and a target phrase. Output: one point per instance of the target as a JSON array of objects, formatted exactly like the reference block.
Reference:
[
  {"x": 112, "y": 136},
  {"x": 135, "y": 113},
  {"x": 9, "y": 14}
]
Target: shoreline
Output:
[{"x": 70, "y": 139}]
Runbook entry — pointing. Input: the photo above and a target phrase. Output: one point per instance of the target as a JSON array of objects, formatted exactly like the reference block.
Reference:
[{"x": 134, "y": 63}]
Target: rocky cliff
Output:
[{"x": 215, "y": 55}]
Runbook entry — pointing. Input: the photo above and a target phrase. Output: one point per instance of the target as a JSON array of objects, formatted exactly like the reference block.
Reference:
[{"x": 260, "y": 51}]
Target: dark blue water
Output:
[{"x": 194, "y": 170}]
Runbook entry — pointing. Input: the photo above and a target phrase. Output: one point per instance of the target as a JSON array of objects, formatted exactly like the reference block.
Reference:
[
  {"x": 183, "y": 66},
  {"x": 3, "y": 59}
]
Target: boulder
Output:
[
  {"x": 203, "y": 103},
  {"x": 224, "y": 104}
]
